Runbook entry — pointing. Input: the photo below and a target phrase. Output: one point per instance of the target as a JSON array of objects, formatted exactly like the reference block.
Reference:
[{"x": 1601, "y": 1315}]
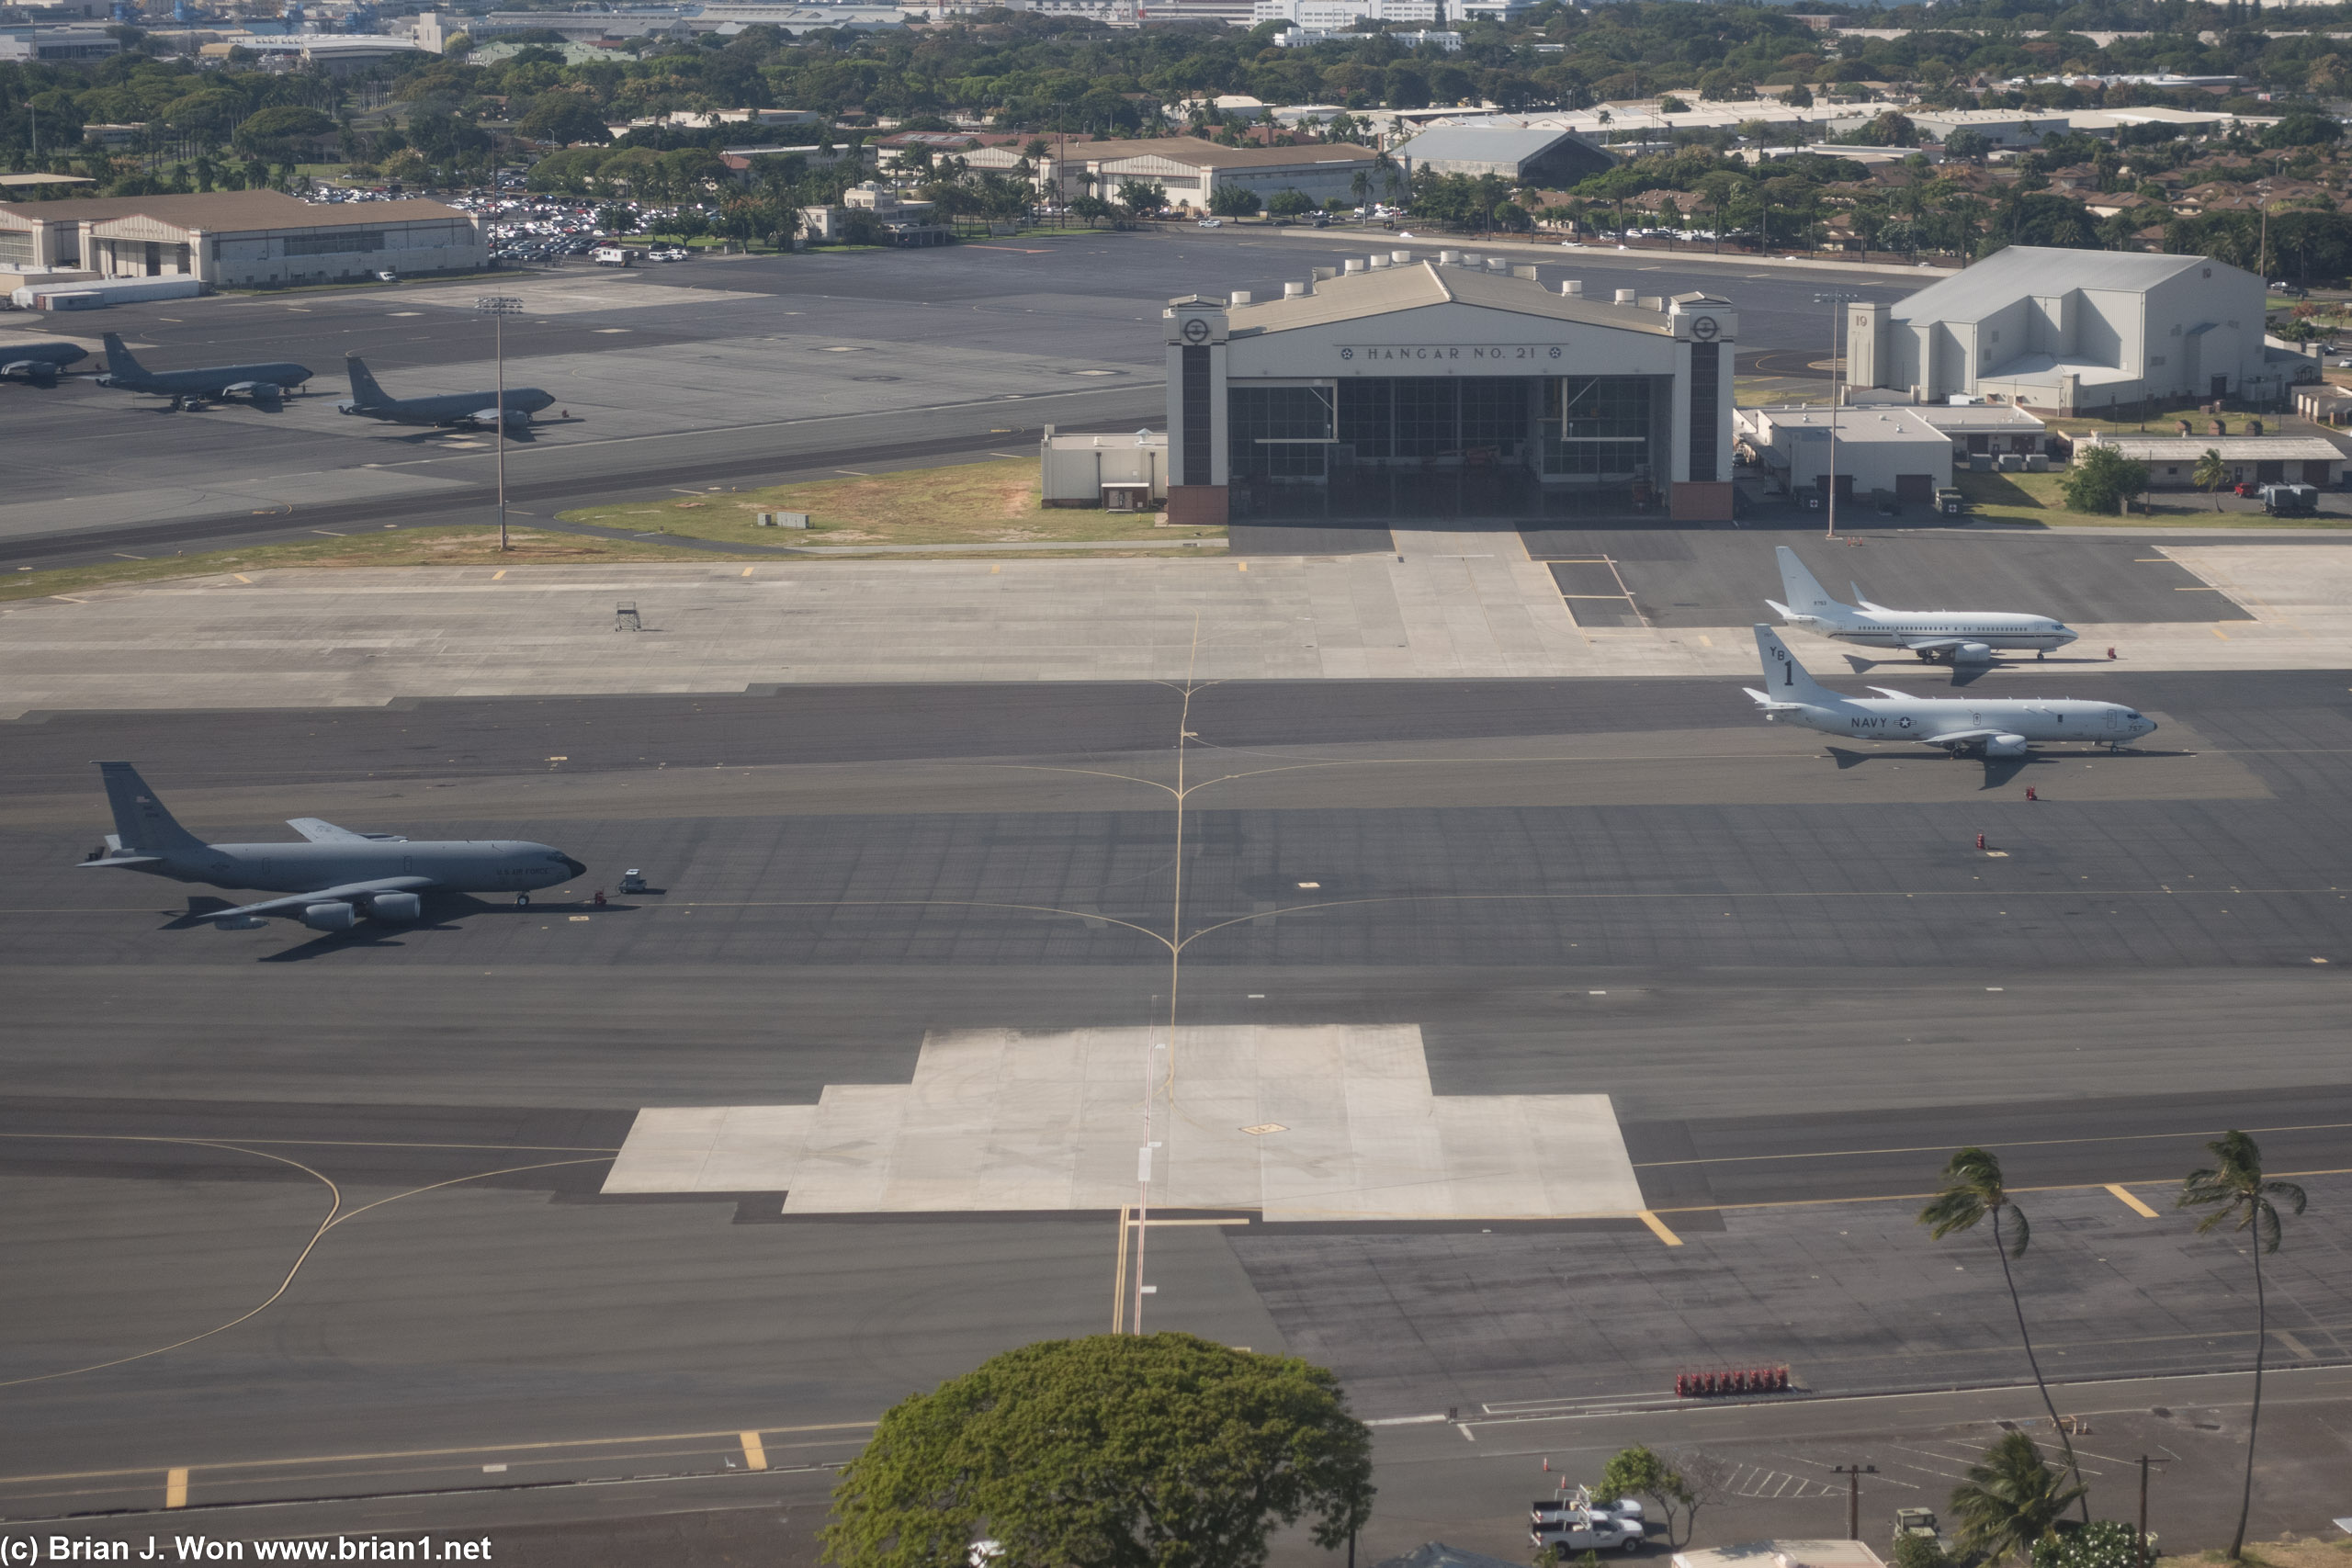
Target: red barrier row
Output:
[{"x": 1739, "y": 1379}]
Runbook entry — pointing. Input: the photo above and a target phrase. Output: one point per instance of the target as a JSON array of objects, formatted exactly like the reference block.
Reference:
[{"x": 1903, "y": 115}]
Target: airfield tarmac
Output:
[
  {"x": 332, "y": 1217},
  {"x": 746, "y": 371},
  {"x": 1797, "y": 1004}
]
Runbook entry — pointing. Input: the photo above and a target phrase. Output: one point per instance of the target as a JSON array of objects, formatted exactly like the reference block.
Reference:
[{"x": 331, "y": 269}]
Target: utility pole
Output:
[
  {"x": 1854, "y": 1496},
  {"x": 1837, "y": 303},
  {"x": 498, "y": 307},
  {"x": 2147, "y": 1558}
]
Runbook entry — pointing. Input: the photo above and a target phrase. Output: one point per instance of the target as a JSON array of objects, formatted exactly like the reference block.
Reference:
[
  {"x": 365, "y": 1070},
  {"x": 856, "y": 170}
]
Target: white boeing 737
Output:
[
  {"x": 1938, "y": 637},
  {"x": 2005, "y": 726}
]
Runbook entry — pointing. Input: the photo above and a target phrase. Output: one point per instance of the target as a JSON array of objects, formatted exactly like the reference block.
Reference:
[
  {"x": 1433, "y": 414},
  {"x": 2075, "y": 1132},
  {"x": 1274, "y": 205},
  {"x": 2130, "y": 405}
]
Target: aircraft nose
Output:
[
  {"x": 2066, "y": 634},
  {"x": 574, "y": 867}
]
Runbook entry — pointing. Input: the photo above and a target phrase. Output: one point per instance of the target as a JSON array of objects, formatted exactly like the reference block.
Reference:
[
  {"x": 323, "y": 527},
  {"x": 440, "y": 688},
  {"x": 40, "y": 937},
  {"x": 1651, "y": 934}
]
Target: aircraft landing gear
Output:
[
  {"x": 2041, "y": 654},
  {"x": 522, "y": 900}
]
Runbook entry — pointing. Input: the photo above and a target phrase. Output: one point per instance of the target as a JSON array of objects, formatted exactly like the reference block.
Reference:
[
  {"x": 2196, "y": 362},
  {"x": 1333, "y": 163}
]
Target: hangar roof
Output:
[
  {"x": 1384, "y": 291},
  {"x": 230, "y": 212},
  {"x": 2001, "y": 280},
  {"x": 2232, "y": 449},
  {"x": 1483, "y": 143}
]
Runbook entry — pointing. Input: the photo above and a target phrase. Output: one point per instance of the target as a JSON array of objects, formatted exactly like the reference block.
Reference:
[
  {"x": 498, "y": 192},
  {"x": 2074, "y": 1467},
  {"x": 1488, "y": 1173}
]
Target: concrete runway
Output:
[
  {"x": 745, "y": 370},
  {"x": 320, "y": 1216}
]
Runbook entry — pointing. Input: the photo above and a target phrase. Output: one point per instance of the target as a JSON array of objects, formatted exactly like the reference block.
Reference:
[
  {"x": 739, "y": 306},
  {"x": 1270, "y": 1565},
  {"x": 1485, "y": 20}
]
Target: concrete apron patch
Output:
[{"x": 1315, "y": 1123}]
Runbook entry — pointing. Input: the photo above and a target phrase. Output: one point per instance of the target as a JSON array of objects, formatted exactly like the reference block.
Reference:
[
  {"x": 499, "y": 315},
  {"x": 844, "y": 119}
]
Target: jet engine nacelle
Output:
[
  {"x": 39, "y": 372},
  {"x": 1972, "y": 653},
  {"x": 2007, "y": 746},
  {"x": 395, "y": 906},
  {"x": 330, "y": 917}
]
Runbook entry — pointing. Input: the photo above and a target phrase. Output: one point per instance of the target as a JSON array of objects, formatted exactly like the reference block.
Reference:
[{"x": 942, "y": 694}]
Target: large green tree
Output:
[
  {"x": 1973, "y": 1192},
  {"x": 2236, "y": 1194},
  {"x": 1161, "y": 1450},
  {"x": 2012, "y": 1498}
]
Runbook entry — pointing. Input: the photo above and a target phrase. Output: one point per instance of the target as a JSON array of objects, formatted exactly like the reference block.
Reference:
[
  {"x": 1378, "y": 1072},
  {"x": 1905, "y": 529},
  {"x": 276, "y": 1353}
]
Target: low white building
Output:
[
  {"x": 240, "y": 239},
  {"x": 1190, "y": 169},
  {"x": 2069, "y": 331},
  {"x": 1876, "y": 447},
  {"x": 2245, "y": 459},
  {"x": 1979, "y": 430},
  {"x": 1122, "y": 473},
  {"x": 1457, "y": 385}
]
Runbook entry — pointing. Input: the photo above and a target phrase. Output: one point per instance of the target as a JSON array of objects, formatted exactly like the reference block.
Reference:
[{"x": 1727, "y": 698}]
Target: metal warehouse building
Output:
[
  {"x": 1447, "y": 386},
  {"x": 238, "y": 239}
]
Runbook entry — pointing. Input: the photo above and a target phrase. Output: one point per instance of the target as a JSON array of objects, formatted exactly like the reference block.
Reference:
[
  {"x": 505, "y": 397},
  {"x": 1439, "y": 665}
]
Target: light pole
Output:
[
  {"x": 498, "y": 307},
  {"x": 1837, "y": 303}
]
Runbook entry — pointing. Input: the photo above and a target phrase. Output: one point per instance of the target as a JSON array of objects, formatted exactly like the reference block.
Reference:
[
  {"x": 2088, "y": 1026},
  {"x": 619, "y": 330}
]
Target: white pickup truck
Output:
[{"x": 1574, "y": 1525}]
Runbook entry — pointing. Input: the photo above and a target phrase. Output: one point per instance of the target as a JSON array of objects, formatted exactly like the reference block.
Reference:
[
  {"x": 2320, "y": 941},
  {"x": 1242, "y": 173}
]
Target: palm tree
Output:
[
  {"x": 2011, "y": 1499},
  {"x": 2209, "y": 475},
  {"x": 1973, "y": 1191},
  {"x": 2235, "y": 1189}
]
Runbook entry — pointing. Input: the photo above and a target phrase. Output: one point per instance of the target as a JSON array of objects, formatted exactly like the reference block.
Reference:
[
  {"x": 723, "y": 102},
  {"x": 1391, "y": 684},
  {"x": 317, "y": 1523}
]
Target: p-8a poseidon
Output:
[
  {"x": 330, "y": 877},
  {"x": 2006, "y": 726}
]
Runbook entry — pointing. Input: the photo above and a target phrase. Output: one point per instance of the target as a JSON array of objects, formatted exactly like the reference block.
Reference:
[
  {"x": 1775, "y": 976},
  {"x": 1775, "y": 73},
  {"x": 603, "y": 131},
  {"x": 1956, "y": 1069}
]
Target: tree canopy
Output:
[{"x": 1161, "y": 1450}]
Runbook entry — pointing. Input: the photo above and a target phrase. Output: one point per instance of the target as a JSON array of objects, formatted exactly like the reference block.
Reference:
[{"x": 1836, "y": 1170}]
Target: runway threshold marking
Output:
[
  {"x": 175, "y": 1488},
  {"x": 1658, "y": 1229},
  {"x": 2129, "y": 1201},
  {"x": 756, "y": 1454}
]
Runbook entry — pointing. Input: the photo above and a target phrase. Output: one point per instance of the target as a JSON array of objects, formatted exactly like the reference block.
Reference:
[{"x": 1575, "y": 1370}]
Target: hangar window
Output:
[
  {"x": 17, "y": 249},
  {"x": 1281, "y": 432},
  {"x": 334, "y": 243},
  {"x": 1596, "y": 426}
]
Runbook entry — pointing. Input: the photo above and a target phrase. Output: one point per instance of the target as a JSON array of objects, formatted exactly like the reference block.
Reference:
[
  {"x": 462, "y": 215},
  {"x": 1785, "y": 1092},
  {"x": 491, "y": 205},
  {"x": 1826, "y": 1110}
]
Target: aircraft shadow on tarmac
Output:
[
  {"x": 1964, "y": 674},
  {"x": 1998, "y": 770},
  {"x": 443, "y": 912}
]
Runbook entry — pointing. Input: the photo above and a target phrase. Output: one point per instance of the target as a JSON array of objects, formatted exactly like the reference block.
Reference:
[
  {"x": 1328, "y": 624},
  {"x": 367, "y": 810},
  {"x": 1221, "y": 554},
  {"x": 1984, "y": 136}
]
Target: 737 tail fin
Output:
[
  {"x": 1805, "y": 594},
  {"x": 1786, "y": 679},
  {"x": 140, "y": 819},
  {"x": 119, "y": 360},
  {"x": 364, "y": 389}
]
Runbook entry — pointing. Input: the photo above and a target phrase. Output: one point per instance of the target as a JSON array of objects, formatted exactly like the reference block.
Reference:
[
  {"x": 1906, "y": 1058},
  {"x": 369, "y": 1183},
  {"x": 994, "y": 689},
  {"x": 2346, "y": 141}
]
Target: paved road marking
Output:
[
  {"x": 1658, "y": 1229},
  {"x": 1243, "y": 565},
  {"x": 2129, "y": 1201},
  {"x": 756, "y": 1455},
  {"x": 175, "y": 1488},
  {"x": 748, "y": 570},
  {"x": 240, "y": 577},
  {"x": 499, "y": 573},
  {"x": 2219, "y": 633}
]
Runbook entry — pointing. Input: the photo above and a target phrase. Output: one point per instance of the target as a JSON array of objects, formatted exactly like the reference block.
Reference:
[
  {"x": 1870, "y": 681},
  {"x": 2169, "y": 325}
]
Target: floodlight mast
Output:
[
  {"x": 498, "y": 307},
  {"x": 1837, "y": 303}
]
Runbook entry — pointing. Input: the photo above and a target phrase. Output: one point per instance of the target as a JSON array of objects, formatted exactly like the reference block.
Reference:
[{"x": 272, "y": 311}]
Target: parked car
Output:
[{"x": 1210, "y": 223}]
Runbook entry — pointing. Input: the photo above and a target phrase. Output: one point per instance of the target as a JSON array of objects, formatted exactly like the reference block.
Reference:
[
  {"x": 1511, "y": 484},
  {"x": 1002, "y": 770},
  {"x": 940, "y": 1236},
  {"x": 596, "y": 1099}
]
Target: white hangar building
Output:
[
  {"x": 2066, "y": 330},
  {"x": 1447, "y": 387}
]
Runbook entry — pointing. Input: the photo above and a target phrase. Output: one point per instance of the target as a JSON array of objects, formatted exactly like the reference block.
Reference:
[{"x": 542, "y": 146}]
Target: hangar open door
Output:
[{"x": 1391, "y": 447}]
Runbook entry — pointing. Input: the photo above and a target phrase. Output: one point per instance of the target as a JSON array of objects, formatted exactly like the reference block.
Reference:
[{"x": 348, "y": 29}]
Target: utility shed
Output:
[
  {"x": 1124, "y": 473},
  {"x": 1890, "y": 449},
  {"x": 2249, "y": 459}
]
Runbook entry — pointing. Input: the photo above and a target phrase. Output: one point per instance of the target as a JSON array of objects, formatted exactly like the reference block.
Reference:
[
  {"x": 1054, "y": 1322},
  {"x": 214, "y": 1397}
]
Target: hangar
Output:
[
  {"x": 1456, "y": 386},
  {"x": 238, "y": 239}
]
